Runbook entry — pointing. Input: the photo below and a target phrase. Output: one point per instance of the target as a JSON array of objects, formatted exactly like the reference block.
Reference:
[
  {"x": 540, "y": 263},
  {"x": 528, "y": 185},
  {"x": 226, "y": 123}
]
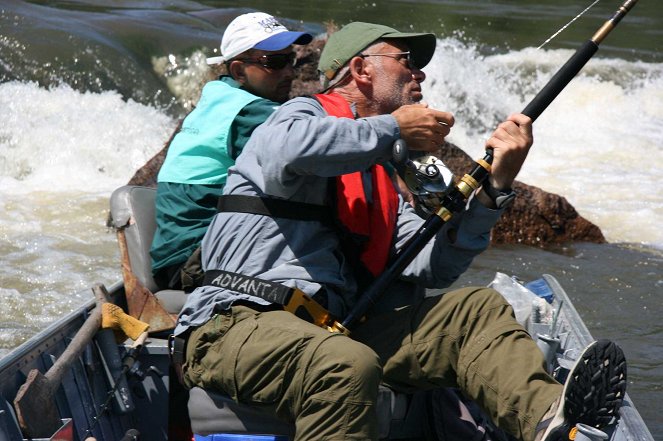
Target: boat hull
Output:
[{"x": 98, "y": 399}]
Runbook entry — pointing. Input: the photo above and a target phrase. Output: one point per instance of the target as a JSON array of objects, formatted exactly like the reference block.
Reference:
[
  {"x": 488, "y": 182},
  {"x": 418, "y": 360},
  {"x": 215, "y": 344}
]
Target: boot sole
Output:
[
  {"x": 593, "y": 392},
  {"x": 595, "y": 388}
]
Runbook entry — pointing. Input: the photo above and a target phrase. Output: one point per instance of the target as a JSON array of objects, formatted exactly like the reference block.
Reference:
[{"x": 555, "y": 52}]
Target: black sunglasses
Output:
[
  {"x": 407, "y": 56},
  {"x": 273, "y": 61}
]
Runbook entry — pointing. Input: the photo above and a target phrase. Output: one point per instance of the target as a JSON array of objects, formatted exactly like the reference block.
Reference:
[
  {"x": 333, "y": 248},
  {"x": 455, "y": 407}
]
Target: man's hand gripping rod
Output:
[{"x": 454, "y": 200}]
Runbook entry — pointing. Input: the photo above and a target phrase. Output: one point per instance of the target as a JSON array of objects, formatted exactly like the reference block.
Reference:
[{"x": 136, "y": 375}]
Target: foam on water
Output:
[
  {"x": 597, "y": 144},
  {"x": 59, "y": 139},
  {"x": 62, "y": 153}
]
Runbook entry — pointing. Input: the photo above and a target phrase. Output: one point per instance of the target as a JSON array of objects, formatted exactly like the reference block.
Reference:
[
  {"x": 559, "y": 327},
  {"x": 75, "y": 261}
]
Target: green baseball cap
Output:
[{"x": 344, "y": 44}]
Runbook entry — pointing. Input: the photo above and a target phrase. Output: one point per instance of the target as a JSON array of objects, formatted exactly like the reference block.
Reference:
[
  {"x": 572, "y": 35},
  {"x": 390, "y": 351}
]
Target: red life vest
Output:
[{"x": 373, "y": 222}]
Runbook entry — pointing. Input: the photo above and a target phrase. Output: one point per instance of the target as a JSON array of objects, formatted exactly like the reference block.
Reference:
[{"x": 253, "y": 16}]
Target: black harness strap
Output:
[
  {"x": 290, "y": 299},
  {"x": 275, "y": 208},
  {"x": 281, "y": 208},
  {"x": 270, "y": 291}
]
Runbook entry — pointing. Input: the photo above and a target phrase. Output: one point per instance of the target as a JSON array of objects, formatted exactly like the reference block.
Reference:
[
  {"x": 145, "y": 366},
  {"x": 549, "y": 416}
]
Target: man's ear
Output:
[
  {"x": 236, "y": 71},
  {"x": 361, "y": 71}
]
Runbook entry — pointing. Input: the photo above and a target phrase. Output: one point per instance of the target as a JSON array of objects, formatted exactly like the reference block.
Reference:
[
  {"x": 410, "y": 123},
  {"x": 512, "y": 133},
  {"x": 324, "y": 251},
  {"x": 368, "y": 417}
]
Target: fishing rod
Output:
[{"x": 453, "y": 200}]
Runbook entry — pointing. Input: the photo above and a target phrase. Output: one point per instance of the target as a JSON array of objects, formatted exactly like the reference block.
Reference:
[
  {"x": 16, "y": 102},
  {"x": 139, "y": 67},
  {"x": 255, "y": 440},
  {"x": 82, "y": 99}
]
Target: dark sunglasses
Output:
[
  {"x": 398, "y": 56},
  {"x": 273, "y": 61}
]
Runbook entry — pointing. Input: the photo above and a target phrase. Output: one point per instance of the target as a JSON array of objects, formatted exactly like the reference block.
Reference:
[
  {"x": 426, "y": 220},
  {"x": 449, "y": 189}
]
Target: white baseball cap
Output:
[{"x": 256, "y": 30}]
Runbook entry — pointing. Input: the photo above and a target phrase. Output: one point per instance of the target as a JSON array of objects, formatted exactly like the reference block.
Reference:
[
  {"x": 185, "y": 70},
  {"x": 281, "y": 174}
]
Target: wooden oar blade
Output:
[{"x": 35, "y": 409}]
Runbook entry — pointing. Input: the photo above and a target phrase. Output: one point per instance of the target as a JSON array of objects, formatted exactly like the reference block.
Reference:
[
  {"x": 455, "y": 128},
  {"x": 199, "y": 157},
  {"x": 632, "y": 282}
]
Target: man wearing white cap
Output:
[{"x": 257, "y": 52}]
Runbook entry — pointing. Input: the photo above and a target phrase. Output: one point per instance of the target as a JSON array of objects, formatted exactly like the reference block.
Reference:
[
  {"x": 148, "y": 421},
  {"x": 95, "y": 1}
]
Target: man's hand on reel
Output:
[{"x": 423, "y": 128}]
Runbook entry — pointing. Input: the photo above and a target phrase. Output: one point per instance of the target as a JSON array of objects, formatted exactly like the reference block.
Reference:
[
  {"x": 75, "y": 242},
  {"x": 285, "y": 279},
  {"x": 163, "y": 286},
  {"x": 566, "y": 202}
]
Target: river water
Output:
[{"x": 91, "y": 89}]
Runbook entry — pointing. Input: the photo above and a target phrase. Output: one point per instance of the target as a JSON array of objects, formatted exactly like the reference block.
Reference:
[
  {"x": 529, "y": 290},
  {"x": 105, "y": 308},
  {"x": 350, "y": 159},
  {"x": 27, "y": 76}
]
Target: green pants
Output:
[{"x": 327, "y": 383}]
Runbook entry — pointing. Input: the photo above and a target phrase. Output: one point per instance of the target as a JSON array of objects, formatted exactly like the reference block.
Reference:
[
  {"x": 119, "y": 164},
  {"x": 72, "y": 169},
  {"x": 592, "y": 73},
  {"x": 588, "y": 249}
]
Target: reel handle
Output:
[{"x": 400, "y": 152}]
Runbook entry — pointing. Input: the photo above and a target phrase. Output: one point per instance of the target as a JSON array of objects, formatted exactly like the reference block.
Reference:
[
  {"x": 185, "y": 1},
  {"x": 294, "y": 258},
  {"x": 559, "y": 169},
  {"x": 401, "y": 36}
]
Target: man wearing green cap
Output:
[{"x": 308, "y": 206}]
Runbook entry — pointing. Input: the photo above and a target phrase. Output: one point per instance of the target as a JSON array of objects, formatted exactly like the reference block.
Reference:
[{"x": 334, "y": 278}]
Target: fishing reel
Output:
[{"x": 426, "y": 176}]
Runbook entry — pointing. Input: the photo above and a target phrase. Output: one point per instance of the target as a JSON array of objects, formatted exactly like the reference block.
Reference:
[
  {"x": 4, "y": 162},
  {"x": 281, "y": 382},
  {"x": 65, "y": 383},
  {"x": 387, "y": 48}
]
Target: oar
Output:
[
  {"x": 454, "y": 201},
  {"x": 34, "y": 402}
]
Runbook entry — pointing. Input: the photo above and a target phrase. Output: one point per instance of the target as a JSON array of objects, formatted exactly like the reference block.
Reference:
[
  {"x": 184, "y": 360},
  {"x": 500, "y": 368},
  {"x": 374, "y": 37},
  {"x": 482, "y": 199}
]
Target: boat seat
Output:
[
  {"x": 212, "y": 413},
  {"x": 132, "y": 213}
]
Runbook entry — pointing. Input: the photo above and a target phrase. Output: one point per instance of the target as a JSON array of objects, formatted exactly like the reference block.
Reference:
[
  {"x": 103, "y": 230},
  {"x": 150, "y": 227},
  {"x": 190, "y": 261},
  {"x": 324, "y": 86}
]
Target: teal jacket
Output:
[{"x": 196, "y": 166}]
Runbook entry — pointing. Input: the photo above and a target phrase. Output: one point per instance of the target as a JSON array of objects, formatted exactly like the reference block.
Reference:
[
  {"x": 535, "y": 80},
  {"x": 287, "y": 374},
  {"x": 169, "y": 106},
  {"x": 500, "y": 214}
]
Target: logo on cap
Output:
[{"x": 270, "y": 24}]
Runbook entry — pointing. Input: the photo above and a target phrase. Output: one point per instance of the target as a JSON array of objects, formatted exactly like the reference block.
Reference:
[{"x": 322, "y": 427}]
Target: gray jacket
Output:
[{"x": 291, "y": 156}]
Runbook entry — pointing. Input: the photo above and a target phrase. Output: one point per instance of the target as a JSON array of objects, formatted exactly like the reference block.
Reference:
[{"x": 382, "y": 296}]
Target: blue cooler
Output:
[
  {"x": 541, "y": 288},
  {"x": 239, "y": 437}
]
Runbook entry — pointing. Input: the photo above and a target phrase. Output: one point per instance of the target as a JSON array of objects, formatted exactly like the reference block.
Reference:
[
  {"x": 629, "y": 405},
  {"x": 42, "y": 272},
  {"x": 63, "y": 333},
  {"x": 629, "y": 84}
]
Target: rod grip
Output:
[{"x": 559, "y": 81}]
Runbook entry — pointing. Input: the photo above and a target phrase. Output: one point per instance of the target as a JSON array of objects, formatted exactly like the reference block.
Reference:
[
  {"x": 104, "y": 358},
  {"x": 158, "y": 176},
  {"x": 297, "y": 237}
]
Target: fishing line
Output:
[{"x": 568, "y": 24}]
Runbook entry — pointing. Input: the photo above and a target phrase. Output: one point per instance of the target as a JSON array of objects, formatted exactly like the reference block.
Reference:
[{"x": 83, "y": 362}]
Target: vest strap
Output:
[{"x": 274, "y": 208}]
